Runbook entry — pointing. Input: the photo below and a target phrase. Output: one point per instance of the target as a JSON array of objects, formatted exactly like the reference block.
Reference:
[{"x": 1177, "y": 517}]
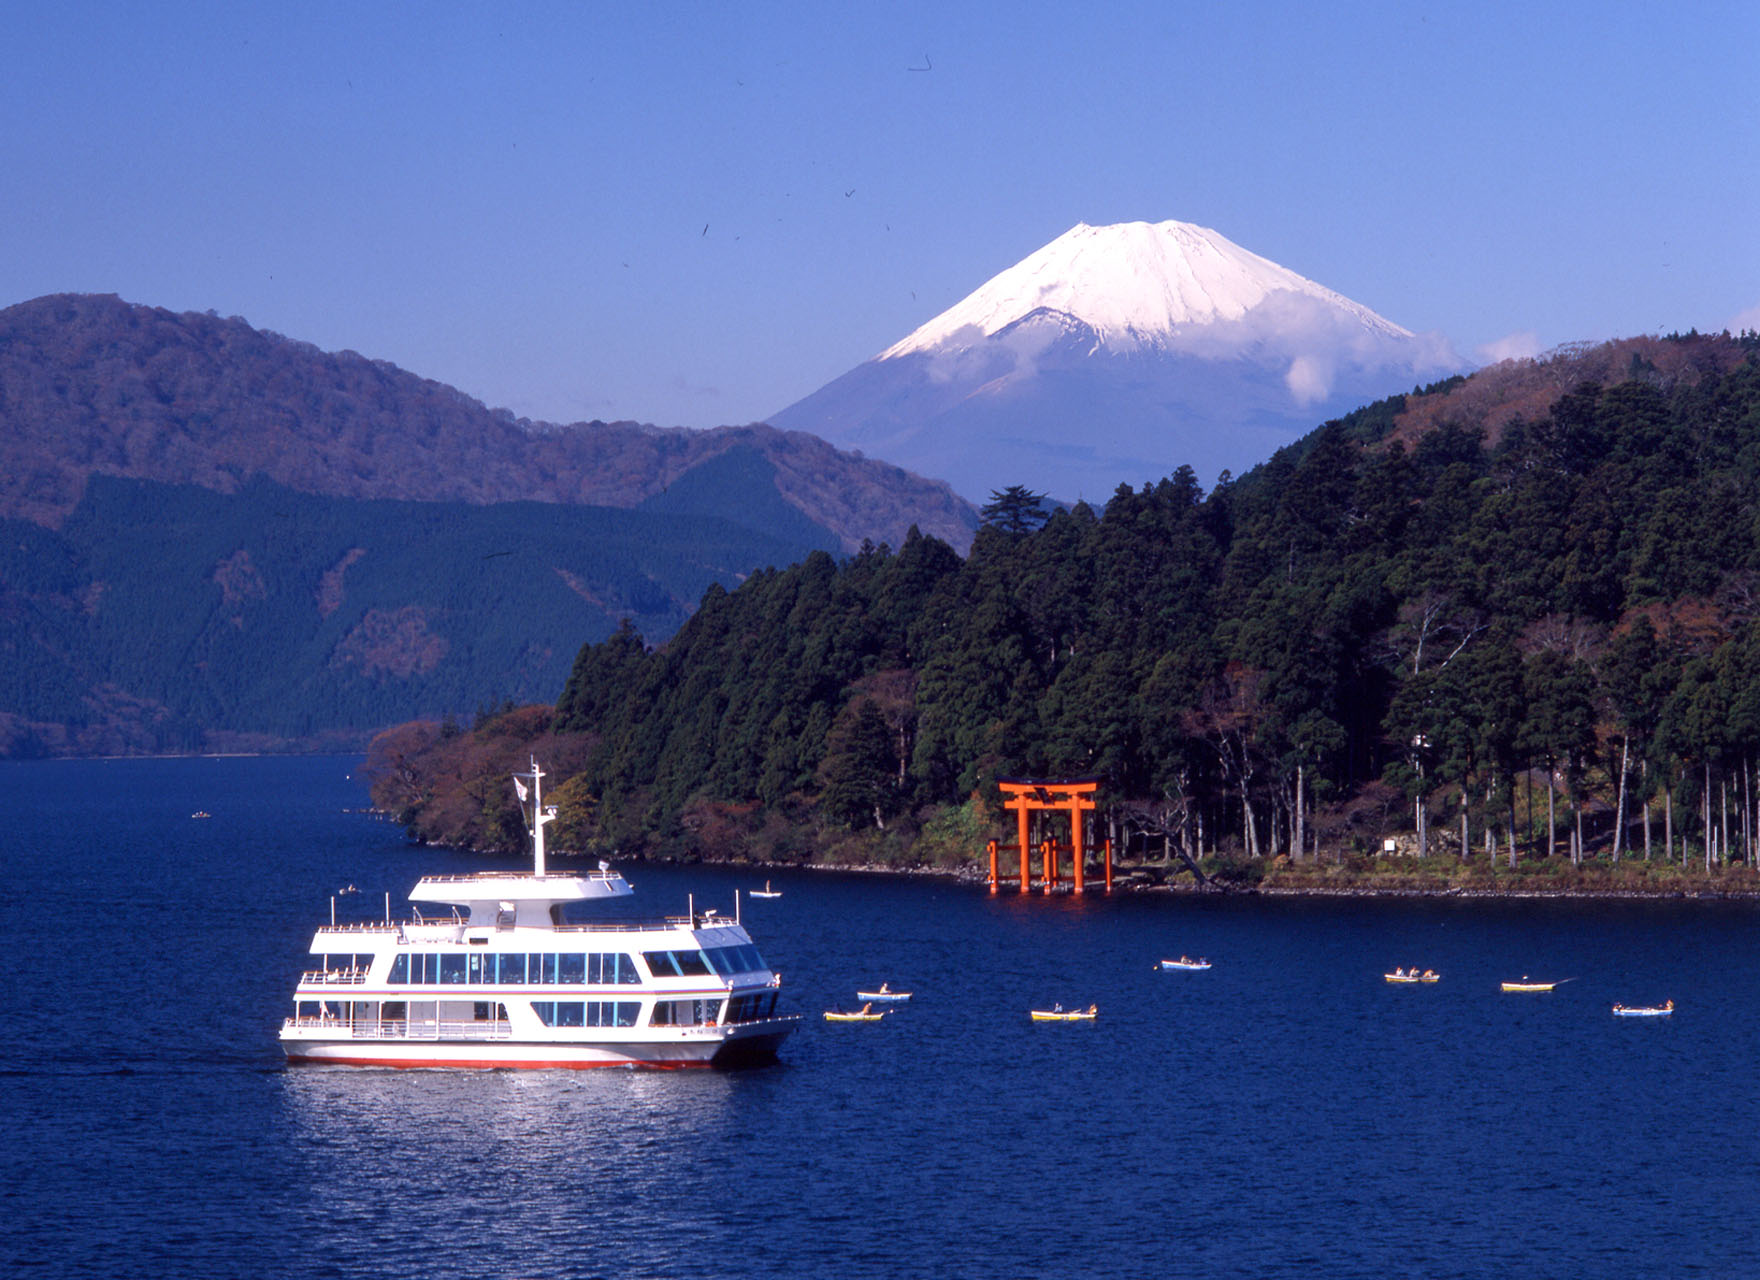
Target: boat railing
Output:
[
  {"x": 403, "y": 1029},
  {"x": 649, "y": 926},
  {"x": 453, "y": 923},
  {"x": 332, "y": 977},
  {"x": 478, "y": 876},
  {"x": 748, "y": 1027}
]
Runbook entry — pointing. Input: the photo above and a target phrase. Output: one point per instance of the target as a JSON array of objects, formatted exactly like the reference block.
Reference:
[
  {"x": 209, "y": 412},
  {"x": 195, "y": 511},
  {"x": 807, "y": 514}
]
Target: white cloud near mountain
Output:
[{"x": 1524, "y": 345}]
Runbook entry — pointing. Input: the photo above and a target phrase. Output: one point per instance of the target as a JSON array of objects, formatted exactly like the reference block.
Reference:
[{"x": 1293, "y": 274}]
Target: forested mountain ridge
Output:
[
  {"x": 92, "y": 385},
  {"x": 175, "y": 618},
  {"x": 1527, "y": 634}
]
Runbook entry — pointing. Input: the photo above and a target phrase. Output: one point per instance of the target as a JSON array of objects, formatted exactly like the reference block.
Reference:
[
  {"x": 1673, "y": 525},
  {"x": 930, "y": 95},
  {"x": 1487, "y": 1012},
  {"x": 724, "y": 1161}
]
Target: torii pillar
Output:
[{"x": 1028, "y": 796}]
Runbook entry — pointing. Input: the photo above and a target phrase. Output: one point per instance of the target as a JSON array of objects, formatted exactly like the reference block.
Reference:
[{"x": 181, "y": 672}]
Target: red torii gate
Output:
[{"x": 1027, "y": 796}]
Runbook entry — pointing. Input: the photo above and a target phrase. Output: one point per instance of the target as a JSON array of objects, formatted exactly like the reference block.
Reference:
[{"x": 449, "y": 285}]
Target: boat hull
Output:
[{"x": 752, "y": 1049}]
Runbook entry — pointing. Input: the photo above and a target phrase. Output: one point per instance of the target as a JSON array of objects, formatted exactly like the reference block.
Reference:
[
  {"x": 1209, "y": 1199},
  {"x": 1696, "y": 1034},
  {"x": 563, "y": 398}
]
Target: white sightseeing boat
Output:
[{"x": 506, "y": 978}]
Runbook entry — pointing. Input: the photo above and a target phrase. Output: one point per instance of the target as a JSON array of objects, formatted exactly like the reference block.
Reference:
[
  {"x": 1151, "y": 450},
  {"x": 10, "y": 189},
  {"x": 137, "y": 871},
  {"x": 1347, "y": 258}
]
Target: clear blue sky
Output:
[{"x": 513, "y": 198}]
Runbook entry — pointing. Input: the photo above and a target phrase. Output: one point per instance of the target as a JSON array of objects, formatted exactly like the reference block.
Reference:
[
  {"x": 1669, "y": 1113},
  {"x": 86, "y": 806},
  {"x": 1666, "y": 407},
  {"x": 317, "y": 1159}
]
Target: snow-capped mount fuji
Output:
[
  {"x": 1113, "y": 355},
  {"x": 1135, "y": 285}
]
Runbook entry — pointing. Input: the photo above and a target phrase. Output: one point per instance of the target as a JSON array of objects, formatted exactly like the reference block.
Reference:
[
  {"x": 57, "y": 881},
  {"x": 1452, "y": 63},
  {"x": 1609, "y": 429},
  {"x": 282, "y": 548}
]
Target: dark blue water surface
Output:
[{"x": 1285, "y": 1114}]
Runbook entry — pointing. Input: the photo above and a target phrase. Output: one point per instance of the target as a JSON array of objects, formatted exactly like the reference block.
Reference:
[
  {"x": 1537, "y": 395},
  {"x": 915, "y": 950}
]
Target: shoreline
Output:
[
  {"x": 1184, "y": 887},
  {"x": 1180, "y": 884}
]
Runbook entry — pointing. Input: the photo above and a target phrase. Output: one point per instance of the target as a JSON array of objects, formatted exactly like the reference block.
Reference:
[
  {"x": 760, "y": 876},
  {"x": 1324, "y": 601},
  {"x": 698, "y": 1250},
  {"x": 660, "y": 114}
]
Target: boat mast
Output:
[{"x": 540, "y": 814}]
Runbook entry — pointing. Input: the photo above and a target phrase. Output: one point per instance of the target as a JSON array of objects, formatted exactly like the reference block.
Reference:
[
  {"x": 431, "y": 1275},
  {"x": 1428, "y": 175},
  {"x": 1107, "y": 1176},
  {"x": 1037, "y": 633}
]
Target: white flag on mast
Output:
[{"x": 519, "y": 787}]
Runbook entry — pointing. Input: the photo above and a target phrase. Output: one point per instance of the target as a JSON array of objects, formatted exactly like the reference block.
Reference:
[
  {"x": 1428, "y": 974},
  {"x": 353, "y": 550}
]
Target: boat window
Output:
[
  {"x": 510, "y": 968},
  {"x": 753, "y": 1008},
  {"x": 691, "y": 964},
  {"x": 475, "y": 968},
  {"x": 452, "y": 967},
  {"x": 661, "y": 964},
  {"x": 613, "y": 1013},
  {"x": 399, "y": 970},
  {"x": 541, "y": 969},
  {"x": 683, "y": 1013},
  {"x": 606, "y": 968},
  {"x": 743, "y": 959},
  {"x": 571, "y": 968},
  {"x": 587, "y": 1013}
]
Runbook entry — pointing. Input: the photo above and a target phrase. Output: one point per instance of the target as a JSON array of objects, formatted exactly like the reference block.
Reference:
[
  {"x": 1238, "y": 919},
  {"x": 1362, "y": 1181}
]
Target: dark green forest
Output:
[
  {"x": 176, "y": 618},
  {"x": 1502, "y": 636}
]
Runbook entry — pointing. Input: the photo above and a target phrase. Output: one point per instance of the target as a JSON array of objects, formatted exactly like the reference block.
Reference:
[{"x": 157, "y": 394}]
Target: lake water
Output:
[{"x": 1286, "y": 1113}]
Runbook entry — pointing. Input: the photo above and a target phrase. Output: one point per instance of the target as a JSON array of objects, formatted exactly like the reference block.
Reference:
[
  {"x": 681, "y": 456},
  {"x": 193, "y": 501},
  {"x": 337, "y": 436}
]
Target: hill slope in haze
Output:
[
  {"x": 91, "y": 385},
  {"x": 177, "y": 618}
]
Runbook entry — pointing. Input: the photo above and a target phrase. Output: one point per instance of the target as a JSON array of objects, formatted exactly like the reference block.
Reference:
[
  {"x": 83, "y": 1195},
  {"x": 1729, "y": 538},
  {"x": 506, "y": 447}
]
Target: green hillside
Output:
[
  {"x": 173, "y": 617},
  {"x": 1512, "y": 617}
]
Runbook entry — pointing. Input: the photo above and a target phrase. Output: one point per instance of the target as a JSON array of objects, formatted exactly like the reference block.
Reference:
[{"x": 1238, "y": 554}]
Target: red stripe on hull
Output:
[{"x": 491, "y": 1064}]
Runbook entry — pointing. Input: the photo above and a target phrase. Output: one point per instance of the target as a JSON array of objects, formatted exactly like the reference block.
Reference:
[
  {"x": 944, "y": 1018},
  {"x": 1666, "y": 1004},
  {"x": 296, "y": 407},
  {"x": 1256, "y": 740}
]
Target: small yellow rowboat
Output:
[
  {"x": 865, "y": 1014},
  {"x": 1060, "y": 1014},
  {"x": 1412, "y": 975}
]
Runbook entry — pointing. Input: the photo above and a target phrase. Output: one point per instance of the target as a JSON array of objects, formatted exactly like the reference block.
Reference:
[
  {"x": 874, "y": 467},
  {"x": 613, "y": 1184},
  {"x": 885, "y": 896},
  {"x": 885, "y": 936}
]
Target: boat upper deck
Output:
[{"x": 704, "y": 928}]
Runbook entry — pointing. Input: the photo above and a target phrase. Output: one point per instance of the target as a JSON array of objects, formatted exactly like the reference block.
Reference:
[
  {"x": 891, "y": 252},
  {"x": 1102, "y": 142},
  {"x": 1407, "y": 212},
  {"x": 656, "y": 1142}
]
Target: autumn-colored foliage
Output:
[{"x": 1539, "y": 645}]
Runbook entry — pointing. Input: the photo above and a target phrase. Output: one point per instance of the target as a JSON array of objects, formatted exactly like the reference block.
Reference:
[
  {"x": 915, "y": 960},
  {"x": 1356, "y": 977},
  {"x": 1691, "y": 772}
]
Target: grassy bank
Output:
[{"x": 1450, "y": 875}]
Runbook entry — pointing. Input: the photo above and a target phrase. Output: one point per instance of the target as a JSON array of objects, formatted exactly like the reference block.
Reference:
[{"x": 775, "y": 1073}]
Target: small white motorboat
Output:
[
  {"x": 1643, "y": 1010},
  {"x": 884, "y": 994}
]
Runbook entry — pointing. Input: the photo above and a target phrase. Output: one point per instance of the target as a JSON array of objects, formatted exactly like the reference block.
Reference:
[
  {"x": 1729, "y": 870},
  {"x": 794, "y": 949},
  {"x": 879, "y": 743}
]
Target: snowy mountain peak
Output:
[
  {"x": 1115, "y": 354},
  {"x": 1136, "y": 284}
]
